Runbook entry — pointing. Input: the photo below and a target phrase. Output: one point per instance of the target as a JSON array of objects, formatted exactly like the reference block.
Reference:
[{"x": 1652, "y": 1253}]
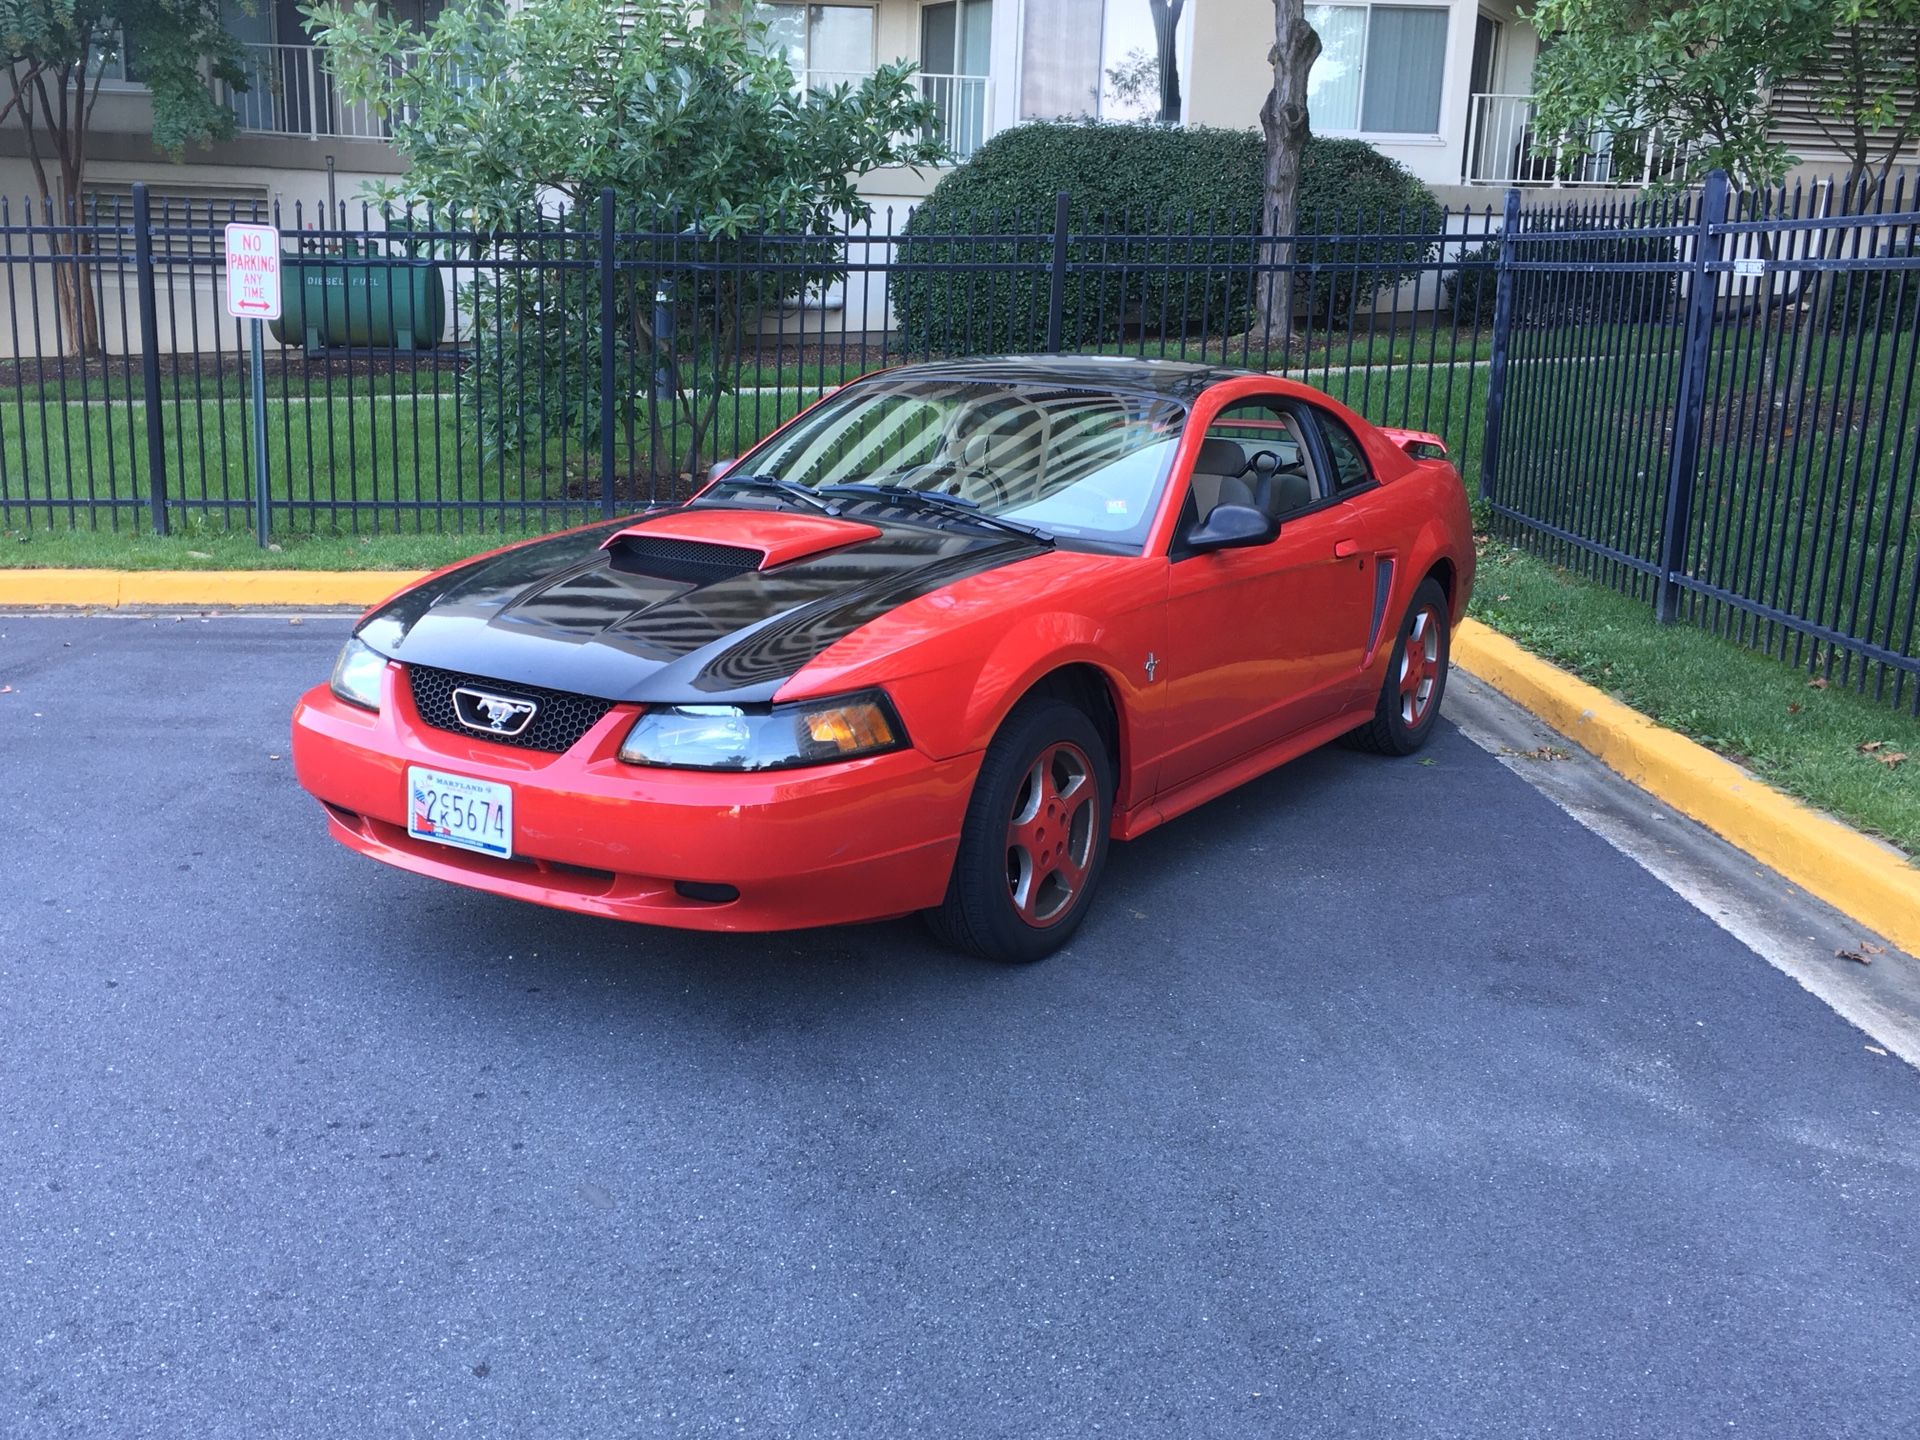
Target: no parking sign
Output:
[
  {"x": 253, "y": 293},
  {"x": 253, "y": 272}
]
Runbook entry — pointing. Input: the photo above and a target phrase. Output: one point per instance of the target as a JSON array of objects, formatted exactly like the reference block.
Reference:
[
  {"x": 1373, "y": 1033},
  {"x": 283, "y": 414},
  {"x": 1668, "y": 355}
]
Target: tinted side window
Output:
[{"x": 1350, "y": 467}]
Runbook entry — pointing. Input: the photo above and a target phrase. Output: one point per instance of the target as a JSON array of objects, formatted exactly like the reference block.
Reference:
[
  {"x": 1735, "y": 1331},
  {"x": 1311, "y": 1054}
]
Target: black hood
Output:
[{"x": 665, "y": 620}]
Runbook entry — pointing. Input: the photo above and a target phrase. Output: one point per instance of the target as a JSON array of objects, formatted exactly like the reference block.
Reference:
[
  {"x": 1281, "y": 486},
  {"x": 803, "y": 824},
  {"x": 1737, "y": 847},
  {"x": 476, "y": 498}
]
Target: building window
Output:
[
  {"x": 826, "y": 45},
  {"x": 1081, "y": 59},
  {"x": 956, "y": 39},
  {"x": 1380, "y": 69},
  {"x": 1059, "y": 69},
  {"x": 108, "y": 61}
]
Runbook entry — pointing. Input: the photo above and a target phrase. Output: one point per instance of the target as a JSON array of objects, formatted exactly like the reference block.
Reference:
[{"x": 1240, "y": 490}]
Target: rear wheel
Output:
[
  {"x": 1035, "y": 837},
  {"x": 1416, "y": 679}
]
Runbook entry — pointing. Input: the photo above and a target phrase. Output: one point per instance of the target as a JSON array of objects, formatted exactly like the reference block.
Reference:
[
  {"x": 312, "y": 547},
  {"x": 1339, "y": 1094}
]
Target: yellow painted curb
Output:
[
  {"x": 200, "y": 589},
  {"x": 1852, "y": 872}
]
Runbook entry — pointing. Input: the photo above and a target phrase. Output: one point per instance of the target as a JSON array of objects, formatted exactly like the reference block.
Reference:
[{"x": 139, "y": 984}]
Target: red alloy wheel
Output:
[
  {"x": 1419, "y": 666},
  {"x": 1051, "y": 835}
]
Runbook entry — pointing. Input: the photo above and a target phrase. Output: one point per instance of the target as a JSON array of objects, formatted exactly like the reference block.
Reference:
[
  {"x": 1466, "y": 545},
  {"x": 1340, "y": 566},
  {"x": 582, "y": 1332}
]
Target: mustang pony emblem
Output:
[{"x": 492, "y": 714}]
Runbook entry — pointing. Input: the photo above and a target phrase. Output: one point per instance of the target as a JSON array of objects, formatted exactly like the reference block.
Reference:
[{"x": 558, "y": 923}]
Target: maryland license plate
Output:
[{"x": 457, "y": 810}]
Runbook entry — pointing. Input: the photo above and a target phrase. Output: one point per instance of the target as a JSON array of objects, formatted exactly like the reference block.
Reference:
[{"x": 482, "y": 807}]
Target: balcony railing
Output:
[
  {"x": 1504, "y": 147},
  {"x": 290, "y": 92},
  {"x": 964, "y": 105}
]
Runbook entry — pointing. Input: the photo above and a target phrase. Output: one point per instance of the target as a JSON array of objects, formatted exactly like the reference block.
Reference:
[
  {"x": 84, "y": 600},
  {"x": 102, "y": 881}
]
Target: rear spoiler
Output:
[{"x": 1417, "y": 443}]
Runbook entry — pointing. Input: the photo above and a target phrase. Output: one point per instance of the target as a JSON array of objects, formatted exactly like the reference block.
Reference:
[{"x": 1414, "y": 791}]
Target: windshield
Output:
[{"x": 1077, "y": 463}]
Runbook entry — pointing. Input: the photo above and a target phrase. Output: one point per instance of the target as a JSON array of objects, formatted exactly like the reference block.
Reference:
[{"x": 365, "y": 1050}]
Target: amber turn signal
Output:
[{"x": 851, "y": 728}]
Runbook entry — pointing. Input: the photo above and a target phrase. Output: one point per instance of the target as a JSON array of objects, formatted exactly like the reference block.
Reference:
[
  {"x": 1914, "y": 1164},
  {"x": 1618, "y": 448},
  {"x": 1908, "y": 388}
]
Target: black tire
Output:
[
  {"x": 1405, "y": 714},
  {"x": 987, "y": 912}
]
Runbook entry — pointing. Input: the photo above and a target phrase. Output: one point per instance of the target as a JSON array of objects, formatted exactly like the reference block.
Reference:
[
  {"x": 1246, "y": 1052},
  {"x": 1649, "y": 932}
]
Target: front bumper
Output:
[{"x": 824, "y": 845}]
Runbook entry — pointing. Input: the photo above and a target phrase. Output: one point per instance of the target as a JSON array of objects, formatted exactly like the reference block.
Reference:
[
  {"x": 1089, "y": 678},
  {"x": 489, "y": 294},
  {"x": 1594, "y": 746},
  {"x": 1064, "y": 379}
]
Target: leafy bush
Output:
[
  {"x": 1161, "y": 242},
  {"x": 689, "y": 116},
  {"x": 1568, "y": 294},
  {"x": 1472, "y": 286}
]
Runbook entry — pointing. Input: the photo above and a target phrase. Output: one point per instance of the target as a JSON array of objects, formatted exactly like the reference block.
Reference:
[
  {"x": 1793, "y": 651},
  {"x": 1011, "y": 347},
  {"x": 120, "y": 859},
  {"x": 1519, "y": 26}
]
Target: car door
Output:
[{"x": 1266, "y": 641}]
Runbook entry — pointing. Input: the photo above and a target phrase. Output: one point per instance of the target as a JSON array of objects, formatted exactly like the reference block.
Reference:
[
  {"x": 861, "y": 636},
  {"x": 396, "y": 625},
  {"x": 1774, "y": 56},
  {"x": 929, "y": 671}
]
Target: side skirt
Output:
[{"x": 1196, "y": 792}]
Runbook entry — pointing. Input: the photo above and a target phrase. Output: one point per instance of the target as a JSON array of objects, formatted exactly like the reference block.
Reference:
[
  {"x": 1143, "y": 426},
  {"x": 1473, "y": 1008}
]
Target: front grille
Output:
[
  {"x": 686, "y": 562},
  {"x": 557, "y": 725}
]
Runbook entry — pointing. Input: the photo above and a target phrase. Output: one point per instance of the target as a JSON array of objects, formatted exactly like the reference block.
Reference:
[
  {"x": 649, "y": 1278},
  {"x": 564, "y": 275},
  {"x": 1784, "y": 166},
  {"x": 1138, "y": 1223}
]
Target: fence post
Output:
[
  {"x": 606, "y": 354},
  {"x": 1504, "y": 282},
  {"x": 1702, "y": 290},
  {"x": 150, "y": 358},
  {"x": 1057, "y": 279}
]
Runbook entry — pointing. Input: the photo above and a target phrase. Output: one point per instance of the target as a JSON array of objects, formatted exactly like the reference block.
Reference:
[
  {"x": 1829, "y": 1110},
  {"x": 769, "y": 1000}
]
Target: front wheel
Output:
[
  {"x": 1416, "y": 679},
  {"x": 1035, "y": 837}
]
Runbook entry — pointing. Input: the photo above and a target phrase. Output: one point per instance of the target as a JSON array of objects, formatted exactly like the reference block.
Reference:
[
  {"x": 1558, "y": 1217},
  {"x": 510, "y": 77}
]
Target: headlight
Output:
[
  {"x": 772, "y": 737},
  {"x": 356, "y": 674}
]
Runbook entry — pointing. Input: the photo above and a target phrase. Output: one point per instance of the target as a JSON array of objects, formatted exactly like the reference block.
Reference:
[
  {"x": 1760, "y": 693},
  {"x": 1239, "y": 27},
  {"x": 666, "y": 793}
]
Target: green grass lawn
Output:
[
  {"x": 1802, "y": 738},
  {"x": 202, "y": 547},
  {"x": 393, "y": 452},
  {"x": 405, "y": 438},
  {"x": 1806, "y": 492},
  {"x": 365, "y": 443}
]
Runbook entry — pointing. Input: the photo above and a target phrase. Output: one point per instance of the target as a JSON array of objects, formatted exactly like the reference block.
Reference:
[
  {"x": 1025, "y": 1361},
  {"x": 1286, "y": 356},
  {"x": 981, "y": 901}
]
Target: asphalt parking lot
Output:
[{"x": 1377, "y": 1099}]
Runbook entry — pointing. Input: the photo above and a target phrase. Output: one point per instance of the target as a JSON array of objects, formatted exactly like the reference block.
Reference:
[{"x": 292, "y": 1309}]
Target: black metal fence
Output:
[
  {"x": 1708, "y": 401},
  {"x": 427, "y": 375},
  {"x": 1701, "y": 399}
]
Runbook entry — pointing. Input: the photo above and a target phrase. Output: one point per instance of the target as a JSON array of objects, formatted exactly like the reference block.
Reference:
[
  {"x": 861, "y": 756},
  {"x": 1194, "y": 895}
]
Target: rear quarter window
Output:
[{"x": 1350, "y": 465}]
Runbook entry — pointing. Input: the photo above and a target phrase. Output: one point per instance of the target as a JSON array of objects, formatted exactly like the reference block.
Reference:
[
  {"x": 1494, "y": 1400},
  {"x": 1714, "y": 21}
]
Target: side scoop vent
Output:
[{"x": 685, "y": 562}]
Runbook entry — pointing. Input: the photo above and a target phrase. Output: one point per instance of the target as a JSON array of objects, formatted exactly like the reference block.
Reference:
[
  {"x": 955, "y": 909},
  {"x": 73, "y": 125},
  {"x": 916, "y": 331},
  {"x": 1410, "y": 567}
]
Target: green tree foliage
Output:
[
  {"x": 1136, "y": 79},
  {"x": 56, "y": 54},
  {"x": 1699, "y": 71},
  {"x": 1867, "y": 94},
  {"x": 1706, "y": 72},
  {"x": 1175, "y": 211},
  {"x": 681, "y": 110}
]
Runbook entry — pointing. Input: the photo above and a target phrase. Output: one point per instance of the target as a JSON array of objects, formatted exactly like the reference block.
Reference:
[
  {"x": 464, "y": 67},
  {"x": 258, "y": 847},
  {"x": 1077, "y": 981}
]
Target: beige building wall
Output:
[
  {"x": 1232, "y": 75},
  {"x": 187, "y": 298}
]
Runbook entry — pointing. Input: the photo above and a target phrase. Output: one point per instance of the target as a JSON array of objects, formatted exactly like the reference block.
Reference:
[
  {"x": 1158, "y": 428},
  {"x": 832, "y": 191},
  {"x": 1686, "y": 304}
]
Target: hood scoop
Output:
[{"x": 700, "y": 547}]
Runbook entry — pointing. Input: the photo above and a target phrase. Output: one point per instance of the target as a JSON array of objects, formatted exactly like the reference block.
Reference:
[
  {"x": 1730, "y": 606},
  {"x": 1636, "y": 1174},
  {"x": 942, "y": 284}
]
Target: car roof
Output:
[{"x": 1175, "y": 379}]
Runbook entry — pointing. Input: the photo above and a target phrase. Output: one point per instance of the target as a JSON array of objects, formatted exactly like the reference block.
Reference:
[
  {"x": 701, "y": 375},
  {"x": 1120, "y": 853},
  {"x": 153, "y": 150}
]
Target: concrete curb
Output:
[
  {"x": 1863, "y": 878},
  {"x": 199, "y": 589}
]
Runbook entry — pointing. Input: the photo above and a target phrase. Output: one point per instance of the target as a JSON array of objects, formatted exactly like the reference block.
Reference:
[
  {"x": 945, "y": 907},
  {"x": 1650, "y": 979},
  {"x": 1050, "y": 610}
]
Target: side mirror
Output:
[
  {"x": 1232, "y": 527},
  {"x": 719, "y": 468}
]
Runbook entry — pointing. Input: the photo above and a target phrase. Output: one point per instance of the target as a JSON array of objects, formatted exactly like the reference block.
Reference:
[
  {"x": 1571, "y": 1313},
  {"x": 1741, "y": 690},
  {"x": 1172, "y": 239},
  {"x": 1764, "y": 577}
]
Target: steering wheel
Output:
[{"x": 1264, "y": 464}]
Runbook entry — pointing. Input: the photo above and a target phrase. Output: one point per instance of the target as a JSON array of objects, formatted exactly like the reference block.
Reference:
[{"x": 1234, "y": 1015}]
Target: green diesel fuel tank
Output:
[{"x": 327, "y": 301}]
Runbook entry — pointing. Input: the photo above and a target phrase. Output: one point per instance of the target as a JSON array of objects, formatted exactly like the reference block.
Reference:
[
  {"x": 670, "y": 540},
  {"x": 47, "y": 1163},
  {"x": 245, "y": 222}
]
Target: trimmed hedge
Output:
[
  {"x": 1163, "y": 226},
  {"x": 1569, "y": 296}
]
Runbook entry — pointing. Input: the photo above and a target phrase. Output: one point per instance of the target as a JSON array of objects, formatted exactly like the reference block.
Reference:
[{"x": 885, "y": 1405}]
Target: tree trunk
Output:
[
  {"x": 1283, "y": 119},
  {"x": 63, "y": 115},
  {"x": 1166, "y": 37},
  {"x": 73, "y": 280}
]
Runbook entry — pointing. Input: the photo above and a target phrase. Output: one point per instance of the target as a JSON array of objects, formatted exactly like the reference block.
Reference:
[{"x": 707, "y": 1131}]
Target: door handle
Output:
[{"x": 1344, "y": 549}]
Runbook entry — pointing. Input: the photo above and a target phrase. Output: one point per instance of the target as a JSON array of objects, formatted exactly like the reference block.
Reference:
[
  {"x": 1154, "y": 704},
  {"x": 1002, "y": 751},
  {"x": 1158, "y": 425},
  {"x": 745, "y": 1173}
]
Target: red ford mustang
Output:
[{"x": 928, "y": 647}]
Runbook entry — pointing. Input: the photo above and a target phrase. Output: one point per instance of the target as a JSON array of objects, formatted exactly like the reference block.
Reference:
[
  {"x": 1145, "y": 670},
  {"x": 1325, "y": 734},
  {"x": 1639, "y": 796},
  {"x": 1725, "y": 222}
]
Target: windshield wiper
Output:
[
  {"x": 942, "y": 502},
  {"x": 773, "y": 485}
]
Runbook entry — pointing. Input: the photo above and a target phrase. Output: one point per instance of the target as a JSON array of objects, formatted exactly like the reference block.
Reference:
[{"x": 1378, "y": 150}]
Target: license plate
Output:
[{"x": 457, "y": 810}]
